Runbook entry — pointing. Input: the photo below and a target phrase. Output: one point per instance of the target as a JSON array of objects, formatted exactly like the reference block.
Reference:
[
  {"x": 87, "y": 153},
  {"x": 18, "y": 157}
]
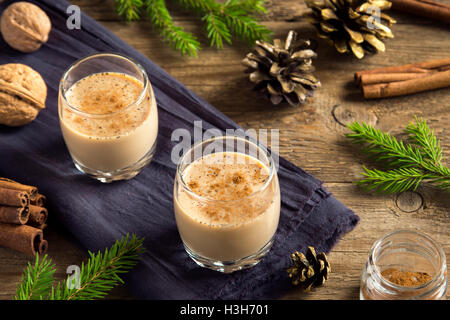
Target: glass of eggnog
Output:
[
  {"x": 227, "y": 203},
  {"x": 108, "y": 116}
]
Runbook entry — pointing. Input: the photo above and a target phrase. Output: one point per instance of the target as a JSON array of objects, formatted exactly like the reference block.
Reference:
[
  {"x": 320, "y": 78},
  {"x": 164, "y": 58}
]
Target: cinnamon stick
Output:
[
  {"x": 42, "y": 226},
  {"x": 373, "y": 78},
  {"x": 429, "y": 82},
  {"x": 11, "y": 184},
  {"x": 39, "y": 200},
  {"x": 14, "y": 215},
  {"x": 38, "y": 216},
  {"x": 425, "y": 8},
  {"x": 418, "y": 67},
  {"x": 23, "y": 238},
  {"x": 43, "y": 247},
  {"x": 14, "y": 198},
  {"x": 22, "y": 217}
]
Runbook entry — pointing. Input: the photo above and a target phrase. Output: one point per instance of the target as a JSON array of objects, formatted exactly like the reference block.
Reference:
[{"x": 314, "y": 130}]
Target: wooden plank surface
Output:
[{"x": 311, "y": 136}]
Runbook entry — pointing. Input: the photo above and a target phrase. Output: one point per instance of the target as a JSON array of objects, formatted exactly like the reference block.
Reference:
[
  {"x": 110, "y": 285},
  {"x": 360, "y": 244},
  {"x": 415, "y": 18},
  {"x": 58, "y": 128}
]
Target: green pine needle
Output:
[
  {"x": 97, "y": 277},
  {"x": 130, "y": 10},
  {"x": 181, "y": 40},
  {"x": 235, "y": 16},
  {"x": 217, "y": 30},
  {"x": 395, "y": 180},
  {"x": 421, "y": 135},
  {"x": 408, "y": 164},
  {"x": 200, "y": 6},
  {"x": 382, "y": 146},
  {"x": 222, "y": 21},
  {"x": 36, "y": 281}
]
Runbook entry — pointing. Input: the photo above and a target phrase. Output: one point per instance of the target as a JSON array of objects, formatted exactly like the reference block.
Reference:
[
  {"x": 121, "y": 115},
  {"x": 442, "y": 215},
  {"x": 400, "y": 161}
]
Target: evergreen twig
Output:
[
  {"x": 408, "y": 164},
  {"x": 217, "y": 30},
  {"x": 222, "y": 21},
  {"x": 236, "y": 17},
  {"x": 181, "y": 40},
  {"x": 36, "y": 281},
  {"x": 130, "y": 10},
  {"x": 421, "y": 135},
  {"x": 97, "y": 277}
]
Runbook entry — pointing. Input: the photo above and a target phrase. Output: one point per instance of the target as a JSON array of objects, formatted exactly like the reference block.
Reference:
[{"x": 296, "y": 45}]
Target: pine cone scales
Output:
[
  {"x": 356, "y": 26},
  {"x": 283, "y": 70},
  {"x": 310, "y": 269}
]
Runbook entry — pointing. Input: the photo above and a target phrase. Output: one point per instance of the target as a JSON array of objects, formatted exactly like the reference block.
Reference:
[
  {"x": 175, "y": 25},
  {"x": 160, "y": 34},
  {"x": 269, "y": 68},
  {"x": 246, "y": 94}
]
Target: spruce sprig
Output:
[
  {"x": 181, "y": 40},
  {"x": 420, "y": 134},
  {"x": 408, "y": 164},
  {"x": 222, "y": 21},
  {"x": 232, "y": 17},
  {"x": 129, "y": 9},
  {"x": 217, "y": 30},
  {"x": 37, "y": 280},
  {"x": 97, "y": 277}
]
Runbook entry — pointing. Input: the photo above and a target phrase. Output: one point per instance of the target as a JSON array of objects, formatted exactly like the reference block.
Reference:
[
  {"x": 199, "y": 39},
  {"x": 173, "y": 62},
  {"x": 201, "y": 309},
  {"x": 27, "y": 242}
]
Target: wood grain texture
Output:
[{"x": 312, "y": 136}]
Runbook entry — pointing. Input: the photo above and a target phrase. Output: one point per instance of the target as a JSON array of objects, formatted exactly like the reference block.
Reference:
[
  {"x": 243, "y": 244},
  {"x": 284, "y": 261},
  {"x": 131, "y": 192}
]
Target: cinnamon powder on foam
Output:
[
  {"x": 228, "y": 177},
  {"x": 106, "y": 93}
]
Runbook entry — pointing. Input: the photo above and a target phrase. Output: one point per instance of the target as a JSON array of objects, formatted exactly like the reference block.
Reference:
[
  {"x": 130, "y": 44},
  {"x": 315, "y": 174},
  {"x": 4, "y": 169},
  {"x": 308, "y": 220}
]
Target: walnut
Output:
[
  {"x": 22, "y": 94},
  {"x": 25, "y": 26}
]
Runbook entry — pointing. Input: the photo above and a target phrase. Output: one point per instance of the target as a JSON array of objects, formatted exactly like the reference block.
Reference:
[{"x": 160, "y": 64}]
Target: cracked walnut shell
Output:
[
  {"x": 22, "y": 94},
  {"x": 25, "y": 26}
]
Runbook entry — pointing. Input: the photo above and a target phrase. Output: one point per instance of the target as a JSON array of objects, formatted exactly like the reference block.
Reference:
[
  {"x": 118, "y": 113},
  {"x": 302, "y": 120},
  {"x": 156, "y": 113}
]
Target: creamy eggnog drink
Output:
[
  {"x": 228, "y": 212},
  {"x": 110, "y": 124}
]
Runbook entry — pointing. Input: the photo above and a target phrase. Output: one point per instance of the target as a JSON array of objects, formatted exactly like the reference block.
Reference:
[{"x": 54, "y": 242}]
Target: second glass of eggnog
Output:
[
  {"x": 227, "y": 203},
  {"x": 108, "y": 116}
]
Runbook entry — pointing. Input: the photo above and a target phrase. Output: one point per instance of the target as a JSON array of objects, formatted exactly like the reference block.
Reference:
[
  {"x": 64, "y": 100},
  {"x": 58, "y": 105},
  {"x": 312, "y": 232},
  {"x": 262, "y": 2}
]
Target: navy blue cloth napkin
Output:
[{"x": 98, "y": 214}]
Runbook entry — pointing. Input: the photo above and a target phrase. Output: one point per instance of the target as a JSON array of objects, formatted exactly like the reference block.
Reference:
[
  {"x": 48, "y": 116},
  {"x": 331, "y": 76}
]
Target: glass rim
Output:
[
  {"x": 139, "y": 99},
  {"x": 271, "y": 167},
  {"x": 436, "y": 247}
]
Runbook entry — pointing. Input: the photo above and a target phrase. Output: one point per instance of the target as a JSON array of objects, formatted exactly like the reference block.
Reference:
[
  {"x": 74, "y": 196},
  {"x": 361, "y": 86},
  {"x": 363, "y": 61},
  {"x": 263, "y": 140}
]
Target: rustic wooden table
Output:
[{"x": 312, "y": 136}]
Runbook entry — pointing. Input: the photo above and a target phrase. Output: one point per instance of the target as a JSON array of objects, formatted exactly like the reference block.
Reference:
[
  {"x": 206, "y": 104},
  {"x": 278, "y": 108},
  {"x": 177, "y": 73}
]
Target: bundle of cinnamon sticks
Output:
[
  {"x": 425, "y": 8},
  {"x": 23, "y": 217},
  {"x": 405, "y": 79}
]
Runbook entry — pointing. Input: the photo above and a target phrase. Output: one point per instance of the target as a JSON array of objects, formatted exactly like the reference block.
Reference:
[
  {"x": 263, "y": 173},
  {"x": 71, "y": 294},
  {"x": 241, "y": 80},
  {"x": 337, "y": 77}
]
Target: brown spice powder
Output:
[
  {"x": 237, "y": 178},
  {"x": 406, "y": 278},
  {"x": 228, "y": 182},
  {"x": 193, "y": 185}
]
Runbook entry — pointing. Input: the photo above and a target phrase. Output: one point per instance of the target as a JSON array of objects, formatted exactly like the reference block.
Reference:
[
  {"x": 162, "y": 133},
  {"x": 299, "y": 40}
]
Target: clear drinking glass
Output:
[
  {"x": 108, "y": 116},
  {"x": 221, "y": 229},
  {"x": 404, "y": 250}
]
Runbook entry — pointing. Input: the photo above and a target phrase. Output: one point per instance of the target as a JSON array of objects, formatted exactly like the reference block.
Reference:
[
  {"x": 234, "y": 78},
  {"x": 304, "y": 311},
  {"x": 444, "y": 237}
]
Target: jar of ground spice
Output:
[{"x": 405, "y": 265}]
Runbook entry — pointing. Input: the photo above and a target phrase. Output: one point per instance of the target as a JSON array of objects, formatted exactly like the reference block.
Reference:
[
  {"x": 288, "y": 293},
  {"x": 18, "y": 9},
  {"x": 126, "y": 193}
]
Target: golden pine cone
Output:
[
  {"x": 283, "y": 70},
  {"x": 309, "y": 269},
  {"x": 356, "y": 26}
]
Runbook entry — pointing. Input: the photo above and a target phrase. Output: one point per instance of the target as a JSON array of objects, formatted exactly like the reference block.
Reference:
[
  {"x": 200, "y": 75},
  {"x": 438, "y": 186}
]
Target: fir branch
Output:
[
  {"x": 222, "y": 20},
  {"x": 421, "y": 135},
  {"x": 249, "y": 6},
  {"x": 240, "y": 18},
  {"x": 237, "y": 16},
  {"x": 97, "y": 277},
  {"x": 130, "y": 10},
  {"x": 217, "y": 30},
  {"x": 392, "y": 181},
  {"x": 246, "y": 28},
  {"x": 383, "y": 147},
  {"x": 409, "y": 164},
  {"x": 36, "y": 281},
  {"x": 200, "y": 7},
  {"x": 101, "y": 273},
  {"x": 181, "y": 40}
]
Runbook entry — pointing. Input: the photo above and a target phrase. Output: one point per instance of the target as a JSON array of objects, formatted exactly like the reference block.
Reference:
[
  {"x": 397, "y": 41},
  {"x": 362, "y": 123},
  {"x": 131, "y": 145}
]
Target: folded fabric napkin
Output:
[{"x": 97, "y": 214}]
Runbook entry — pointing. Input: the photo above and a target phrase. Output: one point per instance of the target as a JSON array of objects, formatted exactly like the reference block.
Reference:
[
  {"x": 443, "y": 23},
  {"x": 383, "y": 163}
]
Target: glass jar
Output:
[{"x": 404, "y": 250}]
